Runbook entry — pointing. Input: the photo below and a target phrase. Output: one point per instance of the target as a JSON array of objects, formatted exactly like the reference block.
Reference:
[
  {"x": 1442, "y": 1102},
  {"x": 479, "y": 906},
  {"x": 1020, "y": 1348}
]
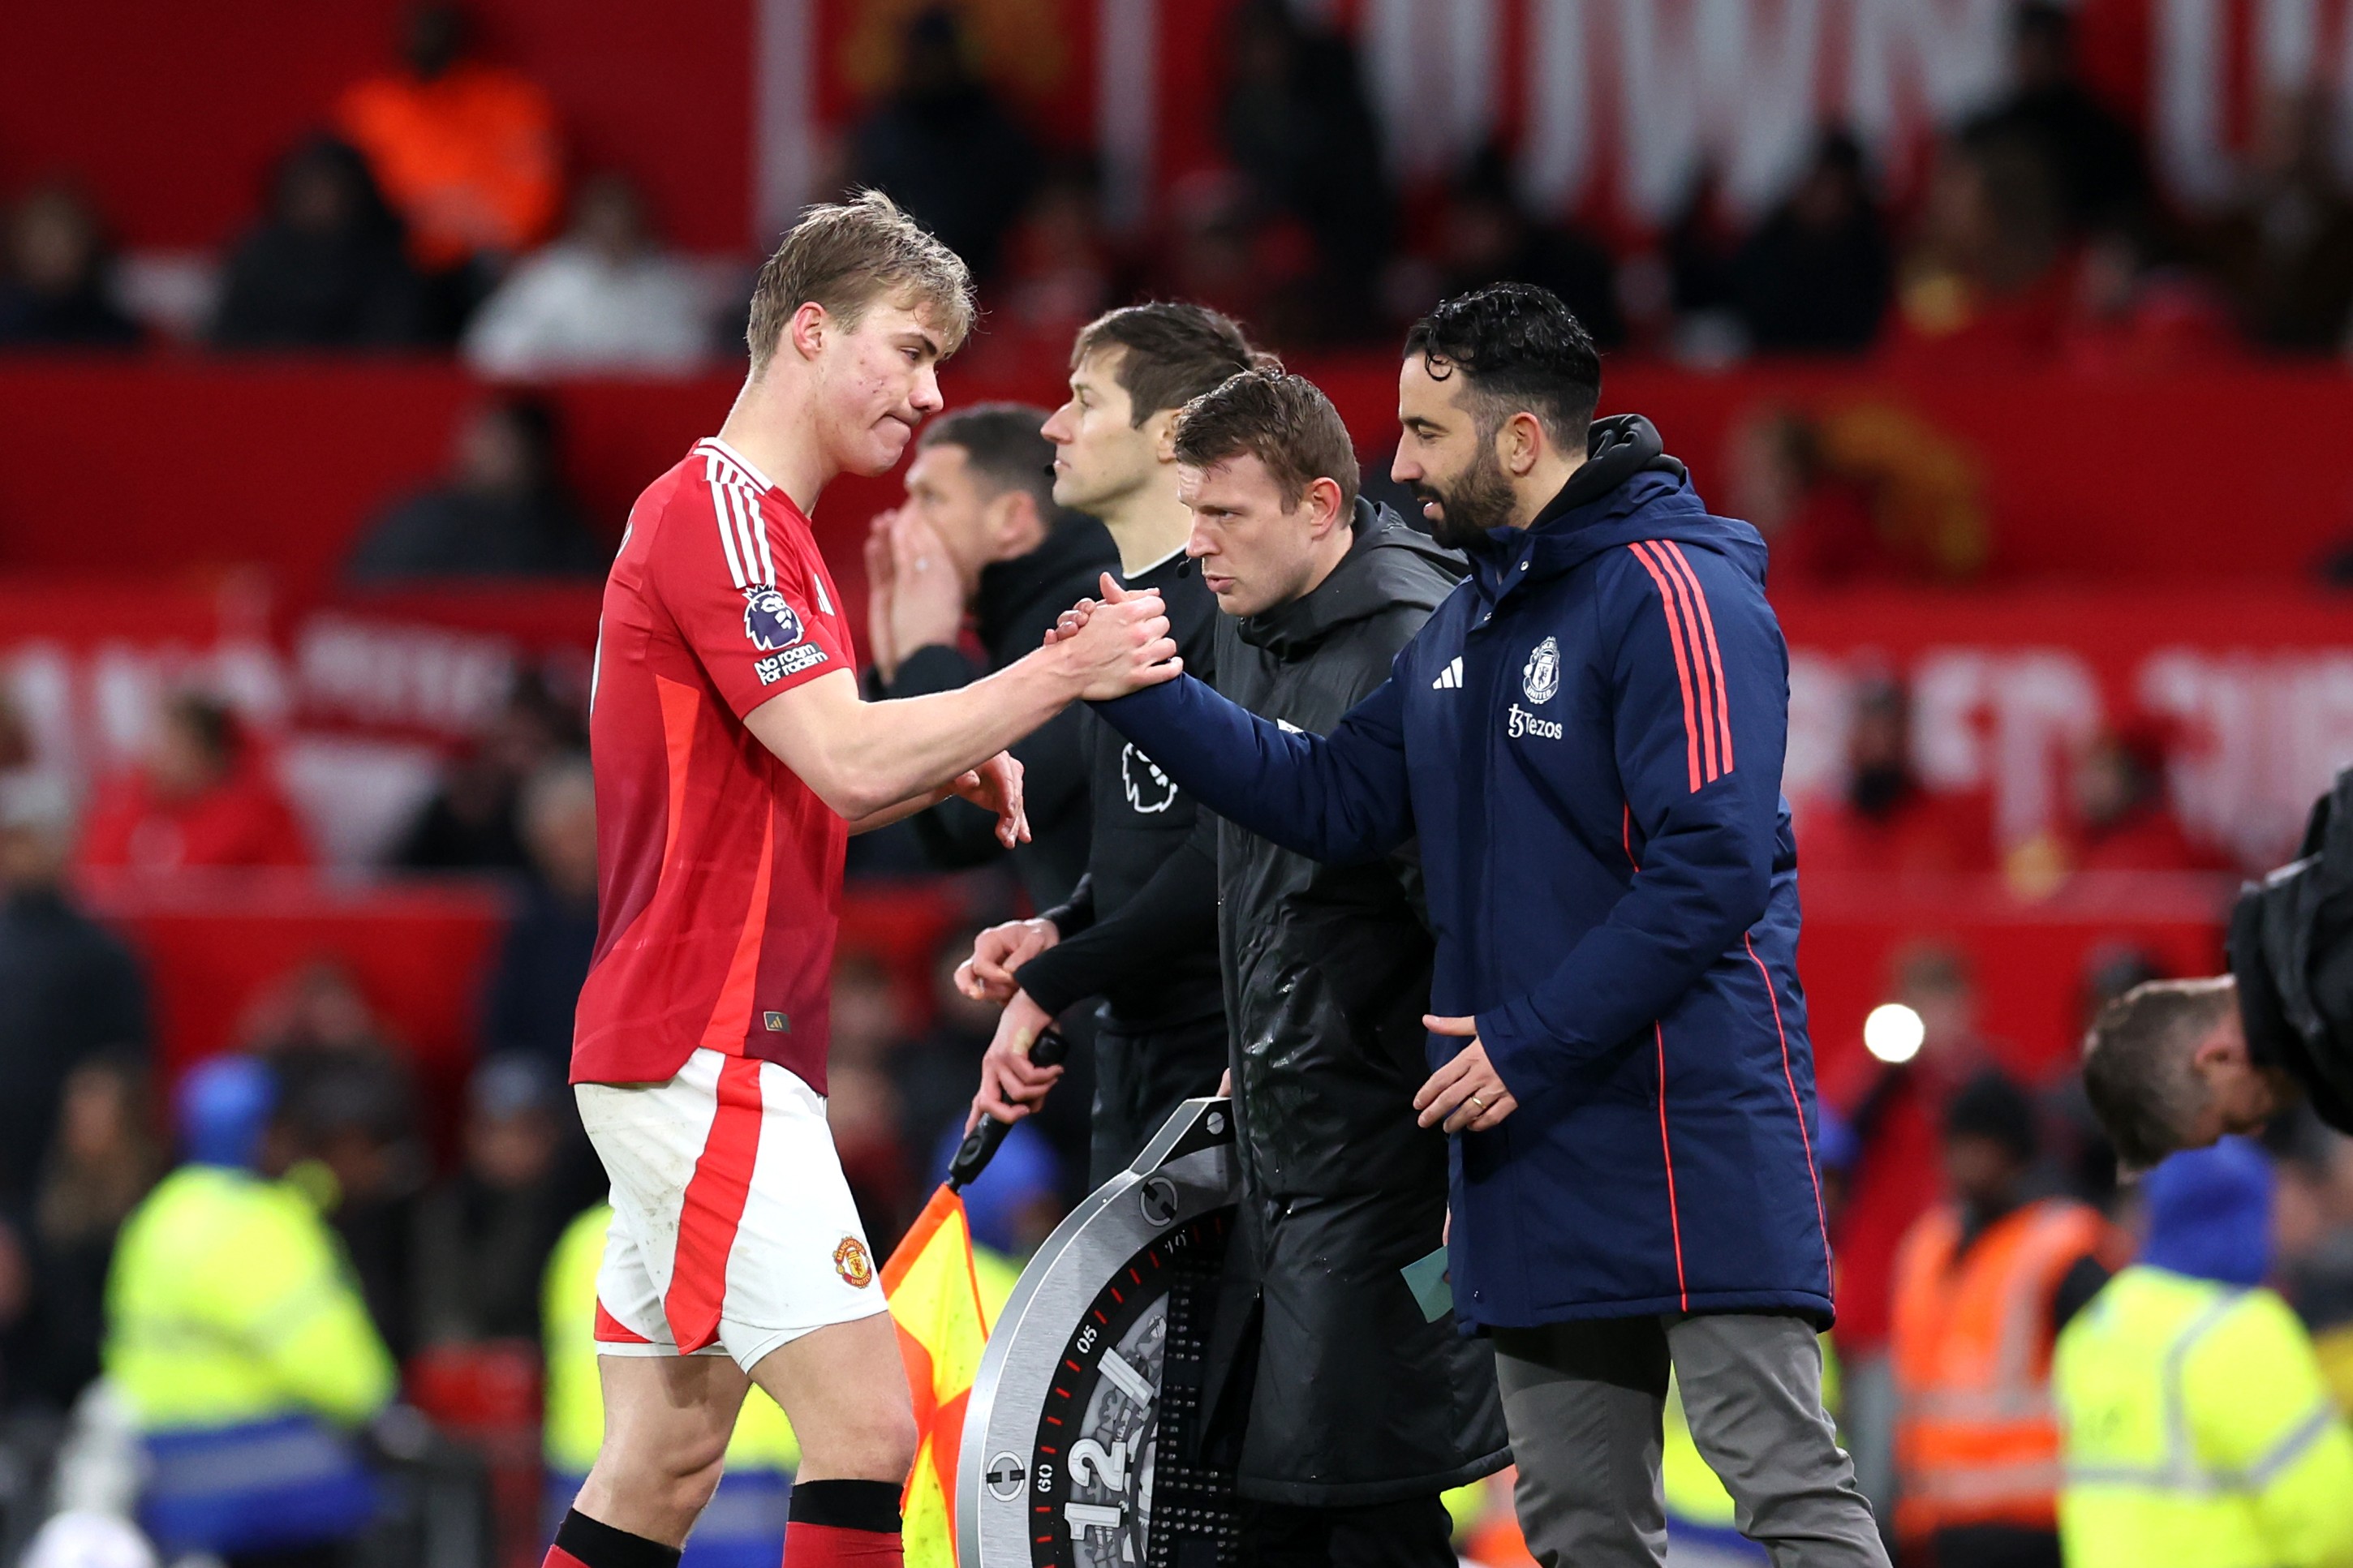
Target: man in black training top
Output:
[
  {"x": 1140, "y": 929},
  {"x": 1364, "y": 1403},
  {"x": 980, "y": 534}
]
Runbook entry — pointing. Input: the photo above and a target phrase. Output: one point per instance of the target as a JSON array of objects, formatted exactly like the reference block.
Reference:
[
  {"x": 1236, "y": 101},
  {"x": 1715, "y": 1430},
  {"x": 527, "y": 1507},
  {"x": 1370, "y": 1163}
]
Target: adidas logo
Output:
[{"x": 1451, "y": 676}]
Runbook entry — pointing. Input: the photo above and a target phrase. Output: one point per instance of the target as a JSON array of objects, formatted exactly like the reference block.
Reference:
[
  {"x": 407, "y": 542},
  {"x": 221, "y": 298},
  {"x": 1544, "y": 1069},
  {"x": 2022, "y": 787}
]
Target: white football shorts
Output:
[{"x": 732, "y": 1227}]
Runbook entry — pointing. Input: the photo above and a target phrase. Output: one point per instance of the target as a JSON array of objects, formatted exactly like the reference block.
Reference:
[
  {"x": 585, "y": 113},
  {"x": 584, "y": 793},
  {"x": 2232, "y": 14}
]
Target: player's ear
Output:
[
  {"x": 1162, "y": 429},
  {"x": 807, "y": 328},
  {"x": 1326, "y": 512}
]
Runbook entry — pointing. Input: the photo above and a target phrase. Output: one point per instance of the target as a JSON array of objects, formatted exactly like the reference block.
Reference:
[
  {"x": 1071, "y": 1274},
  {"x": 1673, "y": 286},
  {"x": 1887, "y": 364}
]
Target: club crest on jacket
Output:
[{"x": 1540, "y": 677}]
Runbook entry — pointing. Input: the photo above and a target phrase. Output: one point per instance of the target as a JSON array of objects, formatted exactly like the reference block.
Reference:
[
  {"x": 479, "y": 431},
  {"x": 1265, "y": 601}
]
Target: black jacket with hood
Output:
[
  {"x": 1019, "y": 601},
  {"x": 1356, "y": 1398},
  {"x": 2291, "y": 953}
]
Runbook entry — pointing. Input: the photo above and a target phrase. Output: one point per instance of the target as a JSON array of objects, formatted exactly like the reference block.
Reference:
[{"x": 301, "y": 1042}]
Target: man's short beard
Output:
[{"x": 1481, "y": 500}]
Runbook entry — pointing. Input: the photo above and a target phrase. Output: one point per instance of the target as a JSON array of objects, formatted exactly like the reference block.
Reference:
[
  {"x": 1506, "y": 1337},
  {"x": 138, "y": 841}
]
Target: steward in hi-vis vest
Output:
[
  {"x": 2199, "y": 1432},
  {"x": 239, "y": 1339}
]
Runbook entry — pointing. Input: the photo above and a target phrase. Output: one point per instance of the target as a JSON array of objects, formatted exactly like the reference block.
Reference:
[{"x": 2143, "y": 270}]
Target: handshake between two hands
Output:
[{"x": 1117, "y": 644}]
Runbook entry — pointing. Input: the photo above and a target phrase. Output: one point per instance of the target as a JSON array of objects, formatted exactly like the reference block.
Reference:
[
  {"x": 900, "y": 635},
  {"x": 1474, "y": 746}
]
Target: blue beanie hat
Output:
[
  {"x": 223, "y": 1106},
  {"x": 1023, "y": 1171},
  {"x": 2210, "y": 1214}
]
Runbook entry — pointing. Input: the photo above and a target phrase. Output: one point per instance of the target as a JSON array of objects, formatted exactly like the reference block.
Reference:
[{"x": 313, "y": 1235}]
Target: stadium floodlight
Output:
[{"x": 1893, "y": 1032}]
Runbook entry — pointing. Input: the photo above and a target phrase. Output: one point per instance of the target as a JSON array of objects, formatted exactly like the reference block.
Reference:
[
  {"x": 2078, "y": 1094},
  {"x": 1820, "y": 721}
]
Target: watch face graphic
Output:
[{"x": 1090, "y": 1394}]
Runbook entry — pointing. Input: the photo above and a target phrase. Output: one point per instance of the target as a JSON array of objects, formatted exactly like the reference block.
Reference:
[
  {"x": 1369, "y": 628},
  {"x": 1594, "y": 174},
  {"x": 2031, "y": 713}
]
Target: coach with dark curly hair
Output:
[{"x": 1586, "y": 739}]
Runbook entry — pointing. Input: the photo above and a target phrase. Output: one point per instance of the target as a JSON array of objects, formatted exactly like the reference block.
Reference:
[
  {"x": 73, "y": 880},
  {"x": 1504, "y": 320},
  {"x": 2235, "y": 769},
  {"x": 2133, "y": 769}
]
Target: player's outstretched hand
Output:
[
  {"x": 1124, "y": 646},
  {"x": 1068, "y": 622},
  {"x": 1467, "y": 1092},
  {"x": 1012, "y": 1085},
  {"x": 996, "y": 786},
  {"x": 997, "y": 952}
]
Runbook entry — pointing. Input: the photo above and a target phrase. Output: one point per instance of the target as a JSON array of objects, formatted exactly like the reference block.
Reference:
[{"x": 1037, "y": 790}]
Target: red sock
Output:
[
  {"x": 558, "y": 1558},
  {"x": 835, "y": 1546}
]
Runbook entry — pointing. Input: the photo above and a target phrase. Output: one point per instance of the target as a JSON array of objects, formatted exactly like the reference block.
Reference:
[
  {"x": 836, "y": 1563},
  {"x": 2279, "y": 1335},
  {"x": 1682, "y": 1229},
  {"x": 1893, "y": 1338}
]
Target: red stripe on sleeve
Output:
[
  {"x": 1711, "y": 762},
  {"x": 1683, "y": 669},
  {"x": 714, "y": 1207},
  {"x": 1714, "y": 658}
]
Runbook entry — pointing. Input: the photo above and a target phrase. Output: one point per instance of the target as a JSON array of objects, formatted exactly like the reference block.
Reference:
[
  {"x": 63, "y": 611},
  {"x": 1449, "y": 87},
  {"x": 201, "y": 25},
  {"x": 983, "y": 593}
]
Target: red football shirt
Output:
[{"x": 718, "y": 870}]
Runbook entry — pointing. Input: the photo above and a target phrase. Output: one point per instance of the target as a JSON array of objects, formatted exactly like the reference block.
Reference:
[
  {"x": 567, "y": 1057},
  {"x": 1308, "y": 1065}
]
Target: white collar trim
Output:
[
  {"x": 1126, "y": 577},
  {"x": 741, "y": 461}
]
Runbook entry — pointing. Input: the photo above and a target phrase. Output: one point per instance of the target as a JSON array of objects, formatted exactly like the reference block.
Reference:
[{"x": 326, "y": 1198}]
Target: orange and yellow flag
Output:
[{"x": 936, "y": 1303}]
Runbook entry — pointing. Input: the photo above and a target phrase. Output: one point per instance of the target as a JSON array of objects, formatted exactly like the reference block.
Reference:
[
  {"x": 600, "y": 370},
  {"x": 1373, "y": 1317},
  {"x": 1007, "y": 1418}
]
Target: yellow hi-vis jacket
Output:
[
  {"x": 2198, "y": 1432},
  {"x": 229, "y": 1303}
]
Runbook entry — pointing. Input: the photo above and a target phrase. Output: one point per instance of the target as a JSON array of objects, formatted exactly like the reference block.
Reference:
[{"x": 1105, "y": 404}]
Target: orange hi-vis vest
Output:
[{"x": 1976, "y": 1439}]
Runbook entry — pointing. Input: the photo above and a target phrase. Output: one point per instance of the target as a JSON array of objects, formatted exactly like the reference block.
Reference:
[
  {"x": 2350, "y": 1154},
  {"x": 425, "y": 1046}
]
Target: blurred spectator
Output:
[
  {"x": 1222, "y": 252},
  {"x": 543, "y": 960},
  {"x": 349, "y": 1095},
  {"x": 604, "y": 298},
  {"x": 2285, "y": 251},
  {"x": 1867, "y": 493},
  {"x": 2134, "y": 309},
  {"x": 1297, "y": 124},
  {"x": 1983, "y": 1285},
  {"x": 483, "y": 1235},
  {"x": 54, "y": 289},
  {"x": 68, "y": 987},
  {"x": 1982, "y": 282},
  {"x": 2101, "y": 171},
  {"x": 323, "y": 269},
  {"x": 1057, "y": 273},
  {"x": 104, "y": 1162},
  {"x": 203, "y": 796},
  {"x": 2123, "y": 817},
  {"x": 936, "y": 1072},
  {"x": 1484, "y": 235},
  {"x": 2198, "y": 1426},
  {"x": 1893, "y": 1110},
  {"x": 1815, "y": 275},
  {"x": 1887, "y": 824},
  {"x": 473, "y": 822},
  {"x": 502, "y": 512},
  {"x": 863, "y": 1106},
  {"x": 942, "y": 147},
  {"x": 467, "y": 153},
  {"x": 1701, "y": 246},
  {"x": 2314, "y": 1227}
]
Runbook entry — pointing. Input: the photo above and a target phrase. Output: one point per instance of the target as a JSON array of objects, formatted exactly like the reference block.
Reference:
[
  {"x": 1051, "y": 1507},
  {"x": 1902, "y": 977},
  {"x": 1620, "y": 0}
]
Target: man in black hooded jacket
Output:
[
  {"x": 980, "y": 534},
  {"x": 1362, "y": 1402},
  {"x": 2176, "y": 1063}
]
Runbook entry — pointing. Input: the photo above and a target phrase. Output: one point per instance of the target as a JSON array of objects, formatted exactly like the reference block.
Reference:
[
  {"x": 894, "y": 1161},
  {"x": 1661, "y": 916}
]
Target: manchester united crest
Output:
[
  {"x": 1541, "y": 677},
  {"x": 849, "y": 1261}
]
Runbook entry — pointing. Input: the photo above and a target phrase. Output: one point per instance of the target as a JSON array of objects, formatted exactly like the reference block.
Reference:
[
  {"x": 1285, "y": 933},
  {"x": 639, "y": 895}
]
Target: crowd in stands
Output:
[{"x": 434, "y": 206}]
